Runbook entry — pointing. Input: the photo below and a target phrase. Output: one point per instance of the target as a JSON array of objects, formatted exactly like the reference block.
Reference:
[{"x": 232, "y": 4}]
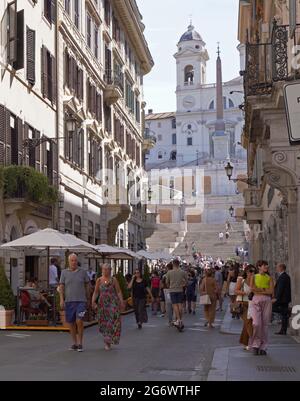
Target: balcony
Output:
[
  {"x": 267, "y": 63},
  {"x": 114, "y": 87},
  {"x": 27, "y": 191}
]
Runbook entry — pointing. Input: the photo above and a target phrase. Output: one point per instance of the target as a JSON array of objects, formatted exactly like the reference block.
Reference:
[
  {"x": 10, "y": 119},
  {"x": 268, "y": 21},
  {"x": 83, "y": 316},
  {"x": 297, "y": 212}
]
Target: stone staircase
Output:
[
  {"x": 206, "y": 238},
  {"x": 166, "y": 237}
]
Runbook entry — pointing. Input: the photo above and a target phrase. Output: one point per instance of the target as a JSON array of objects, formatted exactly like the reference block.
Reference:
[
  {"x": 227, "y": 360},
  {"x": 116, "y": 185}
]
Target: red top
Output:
[{"x": 155, "y": 282}]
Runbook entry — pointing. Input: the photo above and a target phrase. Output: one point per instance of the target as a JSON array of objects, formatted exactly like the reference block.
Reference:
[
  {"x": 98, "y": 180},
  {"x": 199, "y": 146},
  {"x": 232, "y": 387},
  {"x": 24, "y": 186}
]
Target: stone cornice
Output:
[{"x": 131, "y": 19}]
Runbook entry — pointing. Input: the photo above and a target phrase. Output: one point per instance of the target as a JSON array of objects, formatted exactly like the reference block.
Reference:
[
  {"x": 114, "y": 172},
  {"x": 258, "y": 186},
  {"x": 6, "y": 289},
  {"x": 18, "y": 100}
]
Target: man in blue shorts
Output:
[
  {"x": 74, "y": 295},
  {"x": 176, "y": 279}
]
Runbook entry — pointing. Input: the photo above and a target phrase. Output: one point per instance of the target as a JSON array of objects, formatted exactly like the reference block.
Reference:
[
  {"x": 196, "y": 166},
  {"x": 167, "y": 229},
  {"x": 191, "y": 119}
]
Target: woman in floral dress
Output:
[{"x": 108, "y": 300}]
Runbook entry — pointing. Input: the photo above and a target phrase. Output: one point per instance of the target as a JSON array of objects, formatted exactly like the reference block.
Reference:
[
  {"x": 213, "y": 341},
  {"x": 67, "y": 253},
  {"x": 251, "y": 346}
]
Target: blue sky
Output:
[{"x": 166, "y": 21}]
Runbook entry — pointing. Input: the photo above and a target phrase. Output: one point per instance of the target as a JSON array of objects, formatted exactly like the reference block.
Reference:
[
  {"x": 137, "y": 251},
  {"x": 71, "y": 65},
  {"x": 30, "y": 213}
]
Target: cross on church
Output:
[{"x": 218, "y": 51}]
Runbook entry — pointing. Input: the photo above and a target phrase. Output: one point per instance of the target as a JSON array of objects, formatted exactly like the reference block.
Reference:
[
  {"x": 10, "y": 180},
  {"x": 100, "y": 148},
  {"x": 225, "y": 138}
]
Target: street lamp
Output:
[
  {"x": 249, "y": 181},
  {"x": 229, "y": 170}
]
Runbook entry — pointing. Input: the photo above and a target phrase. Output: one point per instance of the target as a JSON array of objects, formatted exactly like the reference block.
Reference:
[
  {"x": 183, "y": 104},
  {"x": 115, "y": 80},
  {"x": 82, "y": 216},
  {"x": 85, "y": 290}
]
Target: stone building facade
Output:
[
  {"x": 77, "y": 96},
  {"x": 269, "y": 30}
]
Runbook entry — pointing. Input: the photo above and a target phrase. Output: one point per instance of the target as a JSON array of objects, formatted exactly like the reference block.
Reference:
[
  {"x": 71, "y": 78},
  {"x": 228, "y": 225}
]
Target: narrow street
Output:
[{"x": 157, "y": 353}]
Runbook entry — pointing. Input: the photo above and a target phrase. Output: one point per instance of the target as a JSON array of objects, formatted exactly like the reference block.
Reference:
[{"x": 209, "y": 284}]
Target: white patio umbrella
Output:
[
  {"x": 113, "y": 252},
  {"x": 50, "y": 239}
]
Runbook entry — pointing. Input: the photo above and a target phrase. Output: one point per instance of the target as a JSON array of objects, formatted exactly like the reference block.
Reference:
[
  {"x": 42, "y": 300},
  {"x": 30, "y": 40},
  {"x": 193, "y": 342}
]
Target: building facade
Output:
[
  {"x": 72, "y": 78},
  {"x": 204, "y": 132},
  {"x": 270, "y": 32},
  {"x": 28, "y": 109}
]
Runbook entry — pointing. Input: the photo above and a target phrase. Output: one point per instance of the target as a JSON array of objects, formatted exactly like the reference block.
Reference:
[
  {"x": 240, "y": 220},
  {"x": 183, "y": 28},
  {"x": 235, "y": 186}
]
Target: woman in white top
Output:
[{"x": 243, "y": 289}]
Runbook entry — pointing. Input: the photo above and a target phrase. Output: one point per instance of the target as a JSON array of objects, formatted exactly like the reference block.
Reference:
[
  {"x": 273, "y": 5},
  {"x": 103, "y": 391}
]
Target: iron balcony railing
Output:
[
  {"x": 271, "y": 62},
  {"x": 113, "y": 78}
]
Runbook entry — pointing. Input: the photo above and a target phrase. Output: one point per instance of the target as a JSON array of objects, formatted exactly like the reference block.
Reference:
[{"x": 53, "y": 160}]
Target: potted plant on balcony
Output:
[{"x": 7, "y": 301}]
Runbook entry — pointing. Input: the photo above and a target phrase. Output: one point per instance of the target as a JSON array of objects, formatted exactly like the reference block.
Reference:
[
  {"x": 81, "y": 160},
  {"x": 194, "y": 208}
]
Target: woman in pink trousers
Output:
[{"x": 261, "y": 307}]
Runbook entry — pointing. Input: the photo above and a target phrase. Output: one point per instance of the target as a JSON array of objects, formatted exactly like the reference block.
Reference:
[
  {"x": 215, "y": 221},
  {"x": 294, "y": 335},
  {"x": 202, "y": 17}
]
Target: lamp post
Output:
[{"x": 252, "y": 182}]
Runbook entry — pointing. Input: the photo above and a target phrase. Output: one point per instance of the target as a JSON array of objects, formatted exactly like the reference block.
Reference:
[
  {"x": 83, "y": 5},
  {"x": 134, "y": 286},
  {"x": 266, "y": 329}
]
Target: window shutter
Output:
[
  {"x": 55, "y": 162},
  {"x": 12, "y": 32},
  {"x": 26, "y": 149},
  {"x": 37, "y": 135},
  {"x": 44, "y": 84},
  {"x": 8, "y": 138},
  {"x": 20, "y": 128},
  {"x": 30, "y": 54},
  {"x": 53, "y": 11},
  {"x": 44, "y": 158},
  {"x": 2, "y": 135},
  {"x": 80, "y": 84},
  {"x": 19, "y": 63},
  {"x": 81, "y": 148},
  {"x": 53, "y": 68},
  {"x": 67, "y": 143}
]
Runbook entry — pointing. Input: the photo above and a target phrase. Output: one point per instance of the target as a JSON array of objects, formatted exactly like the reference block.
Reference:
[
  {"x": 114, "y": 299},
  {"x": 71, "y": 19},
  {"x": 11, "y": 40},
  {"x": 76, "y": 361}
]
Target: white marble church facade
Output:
[{"x": 189, "y": 138}]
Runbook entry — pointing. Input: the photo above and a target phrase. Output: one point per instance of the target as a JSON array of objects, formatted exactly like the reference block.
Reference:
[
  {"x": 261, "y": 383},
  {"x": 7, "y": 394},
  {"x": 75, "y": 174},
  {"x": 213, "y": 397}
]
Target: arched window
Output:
[
  {"x": 160, "y": 155},
  {"x": 13, "y": 234},
  {"x": 225, "y": 102},
  {"x": 121, "y": 238},
  {"x": 231, "y": 104},
  {"x": 212, "y": 105},
  {"x": 77, "y": 226},
  {"x": 189, "y": 74},
  {"x": 91, "y": 232},
  {"x": 68, "y": 223},
  {"x": 173, "y": 155}
]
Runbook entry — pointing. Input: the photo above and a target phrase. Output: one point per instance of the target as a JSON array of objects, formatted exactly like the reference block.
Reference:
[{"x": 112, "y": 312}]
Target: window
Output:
[
  {"x": 137, "y": 111},
  {"x": 97, "y": 234},
  {"x": 173, "y": 155},
  {"x": 30, "y": 53},
  {"x": 50, "y": 10},
  {"x": 174, "y": 123},
  {"x": 231, "y": 104},
  {"x": 189, "y": 141},
  {"x": 48, "y": 68},
  {"x": 91, "y": 232},
  {"x": 94, "y": 101},
  {"x": 95, "y": 158},
  {"x": 174, "y": 139},
  {"x": 68, "y": 223},
  {"x": 189, "y": 74},
  {"x": 107, "y": 13},
  {"x": 73, "y": 78},
  {"x": 89, "y": 30},
  {"x": 74, "y": 145},
  {"x": 129, "y": 97},
  {"x": 212, "y": 105},
  {"x": 15, "y": 36},
  {"x": 77, "y": 226},
  {"x": 68, "y": 6},
  {"x": 121, "y": 238},
  {"x": 96, "y": 41},
  {"x": 76, "y": 13},
  {"x": 160, "y": 155},
  {"x": 159, "y": 137}
]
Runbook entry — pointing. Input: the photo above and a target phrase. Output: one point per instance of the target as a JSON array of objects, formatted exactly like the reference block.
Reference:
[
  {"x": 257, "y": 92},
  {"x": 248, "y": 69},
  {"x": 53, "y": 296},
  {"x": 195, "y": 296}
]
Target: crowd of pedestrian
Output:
[{"x": 173, "y": 290}]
